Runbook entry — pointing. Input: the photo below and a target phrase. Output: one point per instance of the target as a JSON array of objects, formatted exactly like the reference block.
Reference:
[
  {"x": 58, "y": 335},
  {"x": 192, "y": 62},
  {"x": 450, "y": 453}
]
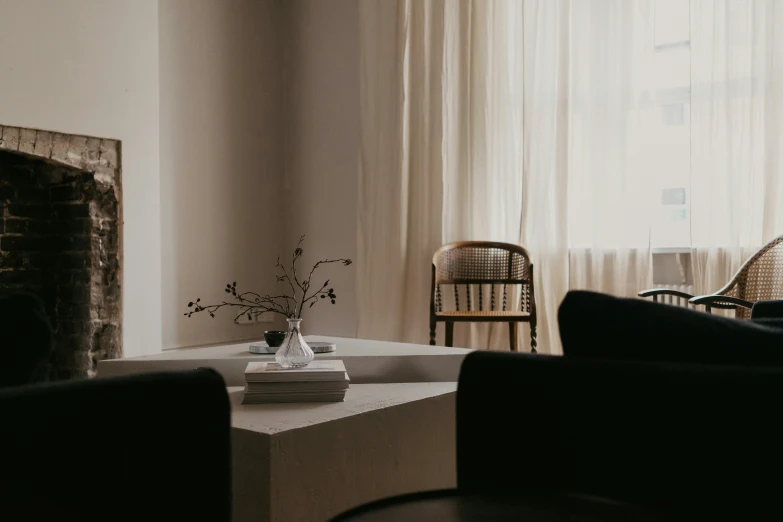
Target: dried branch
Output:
[{"x": 252, "y": 303}]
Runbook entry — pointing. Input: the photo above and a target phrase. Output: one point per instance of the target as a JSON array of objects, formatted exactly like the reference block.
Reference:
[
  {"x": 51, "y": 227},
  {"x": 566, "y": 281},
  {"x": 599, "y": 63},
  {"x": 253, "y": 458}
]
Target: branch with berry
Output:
[{"x": 290, "y": 304}]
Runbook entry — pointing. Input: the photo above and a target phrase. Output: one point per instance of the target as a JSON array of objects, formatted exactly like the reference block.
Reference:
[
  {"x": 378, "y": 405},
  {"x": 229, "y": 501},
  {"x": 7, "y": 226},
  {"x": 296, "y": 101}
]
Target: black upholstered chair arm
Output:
[
  {"x": 720, "y": 301},
  {"x": 664, "y": 291},
  {"x": 764, "y": 310}
]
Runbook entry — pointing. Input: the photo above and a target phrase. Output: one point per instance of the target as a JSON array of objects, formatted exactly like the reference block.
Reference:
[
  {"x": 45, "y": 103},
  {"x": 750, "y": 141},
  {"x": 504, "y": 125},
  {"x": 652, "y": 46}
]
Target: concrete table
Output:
[
  {"x": 308, "y": 462},
  {"x": 365, "y": 361}
]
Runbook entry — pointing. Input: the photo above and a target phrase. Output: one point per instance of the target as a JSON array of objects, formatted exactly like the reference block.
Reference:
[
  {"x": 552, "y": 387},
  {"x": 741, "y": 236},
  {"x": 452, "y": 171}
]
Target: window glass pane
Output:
[
  {"x": 671, "y": 21},
  {"x": 671, "y": 224},
  {"x": 673, "y": 68}
]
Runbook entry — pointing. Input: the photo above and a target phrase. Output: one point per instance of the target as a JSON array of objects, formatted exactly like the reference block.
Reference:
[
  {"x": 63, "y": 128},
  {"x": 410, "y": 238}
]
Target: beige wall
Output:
[
  {"x": 223, "y": 166},
  {"x": 221, "y": 159},
  {"x": 91, "y": 67},
  {"x": 322, "y": 61}
]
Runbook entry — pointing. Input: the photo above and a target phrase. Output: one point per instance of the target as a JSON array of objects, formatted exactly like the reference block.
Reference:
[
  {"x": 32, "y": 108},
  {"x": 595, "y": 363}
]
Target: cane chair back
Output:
[
  {"x": 759, "y": 279},
  {"x": 489, "y": 281}
]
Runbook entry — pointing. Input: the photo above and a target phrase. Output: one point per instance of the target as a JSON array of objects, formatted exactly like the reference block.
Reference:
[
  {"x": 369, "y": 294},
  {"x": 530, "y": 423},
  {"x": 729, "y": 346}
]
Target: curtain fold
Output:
[
  {"x": 400, "y": 161},
  {"x": 534, "y": 122},
  {"x": 588, "y": 105},
  {"x": 483, "y": 120},
  {"x": 547, "y": 48},
  {"x": 736, "y": 134},
  {"x": 611, "y": 147},
  {"x": 482, "y": 156}
]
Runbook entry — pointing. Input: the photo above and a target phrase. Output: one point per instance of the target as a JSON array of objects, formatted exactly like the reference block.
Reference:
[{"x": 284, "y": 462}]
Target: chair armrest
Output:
[
  {"x": 718, "y": 301},
  {"x": 663, "y": 291}
]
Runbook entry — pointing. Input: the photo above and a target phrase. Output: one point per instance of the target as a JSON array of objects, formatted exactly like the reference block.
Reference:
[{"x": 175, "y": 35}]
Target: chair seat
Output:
[{"x": 483, "y": 313}]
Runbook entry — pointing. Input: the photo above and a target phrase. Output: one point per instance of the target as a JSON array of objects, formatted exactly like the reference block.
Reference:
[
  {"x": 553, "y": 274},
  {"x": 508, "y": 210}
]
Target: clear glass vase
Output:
[{"x": 294, "y": 352}]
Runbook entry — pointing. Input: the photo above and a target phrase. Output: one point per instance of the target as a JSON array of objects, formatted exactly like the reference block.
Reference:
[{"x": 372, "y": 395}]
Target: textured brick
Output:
[
  {"x": 11, "y": 260},
  {"x": 77, "y": 151},
  {"x": 42, "y": 260},
  {"x": 11, "y": 277},
  {"x": 16, "y": 226},
  {"x": 108, "y": 156},
  {"x": 29, "y": 211},
  {"x": 10, "y": 138},
  {"x": 61, "y": 240},
  {"x": 43, "y": 144},
  {"x": 106, "y": 341},
  {"x": 39, "y": 227},
  {"x": 65, "y": 211},
  {"x": 7, "y": 193},
  {"x": 106, "y": 176},
  {"x": 76, "y": 327},
  {"x": 60, "y": 147},
  {"x": 78, "y": 243},
  {"x": 32, "y": 195},
  {"x": 79, "y": 277},
  {"x": 66, "y": 351},
  {"x": 19, "y": 176},
  {"x": 106, "y": 208},
  {"x": 93, "y": 151},
  {"x": 27, "y": 141},
  {"x": 66, "y": 193},
  {"x": 74, "y": 293},
  {"x": 72, "y": 226},
  {"x": 72, "y": 260},
  {"x": 25, "y": 243}
]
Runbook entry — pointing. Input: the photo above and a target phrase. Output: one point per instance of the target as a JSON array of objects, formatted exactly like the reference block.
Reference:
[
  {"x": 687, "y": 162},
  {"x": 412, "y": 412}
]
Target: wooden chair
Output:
[
  {"x": 760, "y": 278},
  {"x": 481, "y": 263}
]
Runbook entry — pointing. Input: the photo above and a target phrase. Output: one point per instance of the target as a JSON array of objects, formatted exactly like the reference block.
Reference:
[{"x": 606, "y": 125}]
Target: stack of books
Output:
[{"x": 319, "y": 381}]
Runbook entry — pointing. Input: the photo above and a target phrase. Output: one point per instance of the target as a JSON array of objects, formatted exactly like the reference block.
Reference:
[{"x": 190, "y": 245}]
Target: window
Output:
[{"x": 671, "y": 222}]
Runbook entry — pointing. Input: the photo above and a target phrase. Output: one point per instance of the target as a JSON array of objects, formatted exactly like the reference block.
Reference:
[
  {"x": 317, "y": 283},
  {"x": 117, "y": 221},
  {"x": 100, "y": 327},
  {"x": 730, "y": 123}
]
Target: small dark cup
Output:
[{"x": 274, "y": 338}]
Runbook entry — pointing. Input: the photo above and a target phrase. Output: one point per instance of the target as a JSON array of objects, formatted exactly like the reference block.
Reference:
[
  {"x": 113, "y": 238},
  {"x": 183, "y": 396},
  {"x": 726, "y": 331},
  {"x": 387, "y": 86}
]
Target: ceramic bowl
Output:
[{"x": 274, "y": 338}]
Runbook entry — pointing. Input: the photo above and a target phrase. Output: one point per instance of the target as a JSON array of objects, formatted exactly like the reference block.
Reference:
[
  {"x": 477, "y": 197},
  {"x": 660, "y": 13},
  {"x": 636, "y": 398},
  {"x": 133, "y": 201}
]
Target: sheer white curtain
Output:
[
  {"x": 400, "y": 165},
  {"x": 736, "y": 134},
  {"x": 482, "y": 153},
  {"x": 611, "y": 146},
  {"x": 440, "y": 161},
  {"x": 513, "y": 121},
  {"x": 588, "y": 103}
]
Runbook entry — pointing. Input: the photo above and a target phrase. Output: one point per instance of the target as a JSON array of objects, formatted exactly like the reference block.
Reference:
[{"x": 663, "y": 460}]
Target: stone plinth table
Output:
[
  {"x": 365, "y": 361},
  {"x": 308, "y": 462}
]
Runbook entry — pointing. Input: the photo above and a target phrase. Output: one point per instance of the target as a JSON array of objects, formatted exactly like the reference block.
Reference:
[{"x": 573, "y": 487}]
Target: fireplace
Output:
[{"x": 60, "y": 239}]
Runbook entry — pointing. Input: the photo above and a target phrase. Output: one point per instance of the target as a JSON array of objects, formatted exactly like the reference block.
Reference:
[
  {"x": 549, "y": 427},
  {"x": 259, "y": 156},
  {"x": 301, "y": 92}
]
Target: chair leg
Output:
[
  {"x": 513, "y": 338},
  {"x": 533, "y": 342},
  {"x": 449, "y": 334},
  {"x": 433, "y": 325}
]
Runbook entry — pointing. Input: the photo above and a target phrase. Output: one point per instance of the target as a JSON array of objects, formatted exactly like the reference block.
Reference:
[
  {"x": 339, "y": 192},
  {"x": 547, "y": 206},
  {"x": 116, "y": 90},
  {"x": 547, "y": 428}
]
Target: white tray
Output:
[{"x": 318, "y": 347}]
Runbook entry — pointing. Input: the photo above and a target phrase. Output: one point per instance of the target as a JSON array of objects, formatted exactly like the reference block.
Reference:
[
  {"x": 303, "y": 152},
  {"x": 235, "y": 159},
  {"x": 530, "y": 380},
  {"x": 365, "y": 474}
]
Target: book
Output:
[
  {"x": 315, "y": 371},
  {"x": 294, "y": 387},
  {"x": 263, "y": 398}
]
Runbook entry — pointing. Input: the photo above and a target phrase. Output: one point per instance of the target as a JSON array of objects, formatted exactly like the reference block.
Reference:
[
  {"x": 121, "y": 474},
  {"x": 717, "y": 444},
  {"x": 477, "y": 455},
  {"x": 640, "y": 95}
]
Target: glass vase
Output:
[{"x": 294, "y": 352}]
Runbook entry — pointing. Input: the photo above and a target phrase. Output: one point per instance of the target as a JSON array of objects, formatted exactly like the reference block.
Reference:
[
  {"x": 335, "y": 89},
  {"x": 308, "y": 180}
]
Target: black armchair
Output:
[
  {"x": 152, "y": 447},
  {"x": 600, "y": 325},
  {"x": 687, "y": 439},
  {"x": 769, "y": 313}
]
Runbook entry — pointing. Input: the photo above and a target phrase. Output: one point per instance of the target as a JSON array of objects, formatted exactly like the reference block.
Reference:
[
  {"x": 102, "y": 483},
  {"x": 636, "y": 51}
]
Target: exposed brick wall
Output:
[{"x": 60, "y": 239}]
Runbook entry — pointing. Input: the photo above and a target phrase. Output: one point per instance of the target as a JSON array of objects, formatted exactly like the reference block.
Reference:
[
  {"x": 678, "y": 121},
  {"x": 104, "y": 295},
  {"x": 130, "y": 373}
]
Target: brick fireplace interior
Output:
[{"x": 60, "y": 240}]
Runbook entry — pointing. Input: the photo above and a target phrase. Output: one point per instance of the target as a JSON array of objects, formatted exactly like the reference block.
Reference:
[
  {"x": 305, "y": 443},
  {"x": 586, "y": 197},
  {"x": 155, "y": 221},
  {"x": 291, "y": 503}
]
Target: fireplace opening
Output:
[{"x": 60, "y": 240}]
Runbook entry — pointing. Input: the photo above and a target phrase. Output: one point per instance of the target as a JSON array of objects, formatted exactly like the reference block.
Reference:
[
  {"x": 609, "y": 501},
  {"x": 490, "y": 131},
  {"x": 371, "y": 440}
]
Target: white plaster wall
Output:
[
  {"x": 91, "y": 67},
  {"x": 322, "y": 74},
  {"x": 221, "y": 159}
]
